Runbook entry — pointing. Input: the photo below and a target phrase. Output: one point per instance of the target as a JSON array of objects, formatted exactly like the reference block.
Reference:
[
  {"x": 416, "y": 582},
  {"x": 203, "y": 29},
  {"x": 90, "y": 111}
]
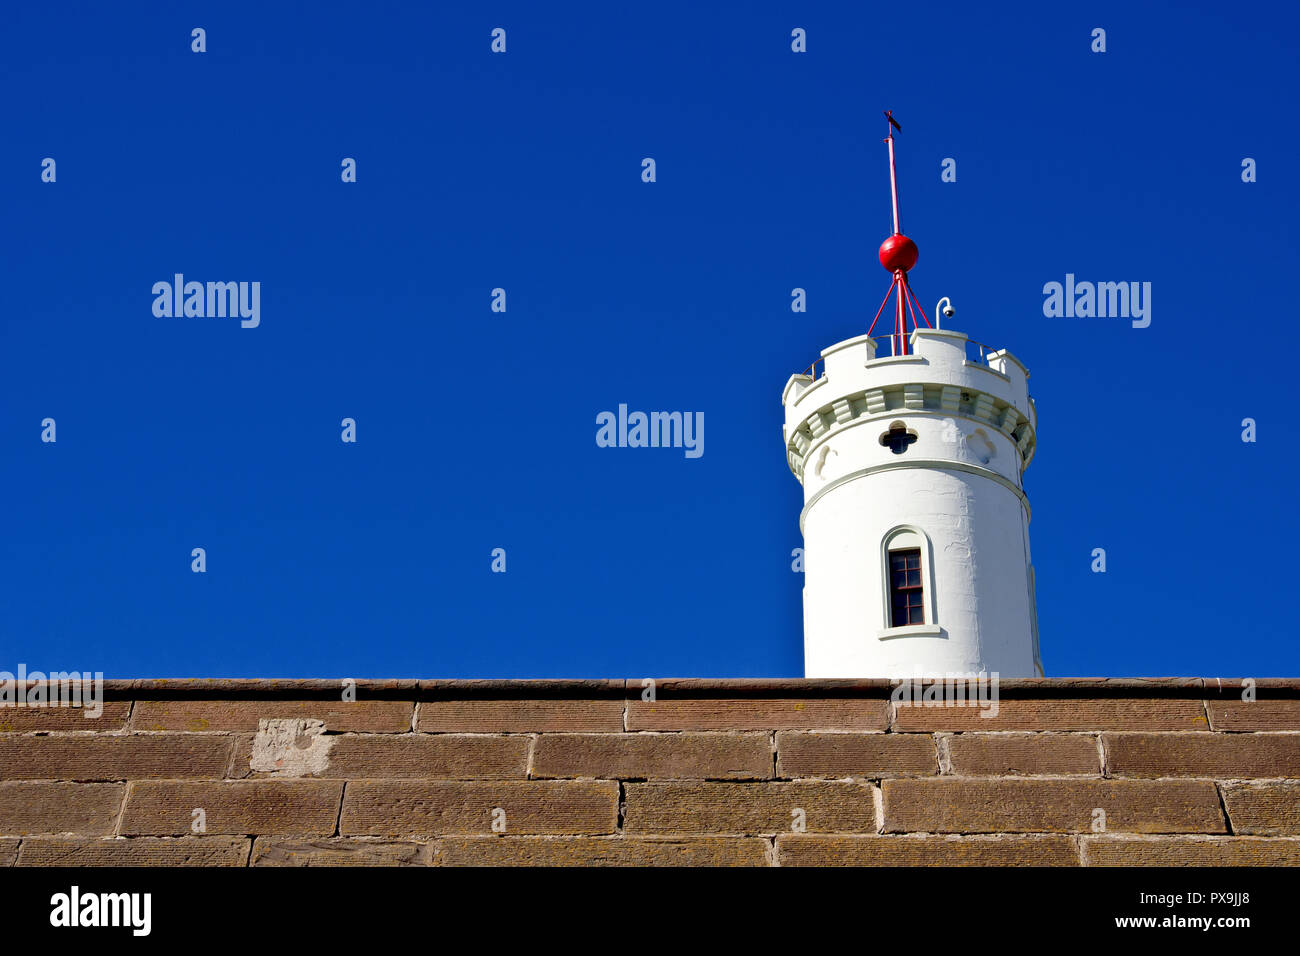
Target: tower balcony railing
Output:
[{"x": 976, "y": 352}]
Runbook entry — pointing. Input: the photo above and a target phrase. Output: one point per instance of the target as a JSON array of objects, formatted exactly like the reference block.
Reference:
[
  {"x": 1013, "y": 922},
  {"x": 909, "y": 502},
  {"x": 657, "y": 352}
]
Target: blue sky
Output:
[{"x": 476, "y": 429}]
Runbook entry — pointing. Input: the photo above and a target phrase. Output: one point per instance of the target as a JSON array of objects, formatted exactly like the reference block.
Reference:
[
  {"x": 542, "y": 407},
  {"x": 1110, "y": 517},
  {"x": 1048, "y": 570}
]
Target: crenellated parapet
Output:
[{"x": 938, "y": 380}]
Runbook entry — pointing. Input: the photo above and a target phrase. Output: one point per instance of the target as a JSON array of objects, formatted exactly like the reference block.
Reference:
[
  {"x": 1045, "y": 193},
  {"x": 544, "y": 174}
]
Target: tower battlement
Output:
[{"x": 939, "y": 378}]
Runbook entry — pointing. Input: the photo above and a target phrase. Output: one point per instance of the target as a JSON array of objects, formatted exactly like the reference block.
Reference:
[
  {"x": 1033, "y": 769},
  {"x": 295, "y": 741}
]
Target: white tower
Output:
[{"x": 915, "y": 520}]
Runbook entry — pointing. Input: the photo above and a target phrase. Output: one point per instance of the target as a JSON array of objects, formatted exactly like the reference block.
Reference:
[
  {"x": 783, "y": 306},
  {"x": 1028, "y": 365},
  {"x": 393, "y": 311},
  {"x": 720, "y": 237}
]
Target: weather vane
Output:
[{"x": 898, "y": 254}]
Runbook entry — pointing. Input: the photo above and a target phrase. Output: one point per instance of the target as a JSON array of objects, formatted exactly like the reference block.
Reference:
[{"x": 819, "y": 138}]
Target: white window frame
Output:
[{"x": 899, "y": 538}]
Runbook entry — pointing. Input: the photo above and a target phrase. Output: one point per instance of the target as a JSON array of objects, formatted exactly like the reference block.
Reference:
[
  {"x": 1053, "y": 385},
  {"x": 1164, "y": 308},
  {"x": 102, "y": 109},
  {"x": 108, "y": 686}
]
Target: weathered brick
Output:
[
  {"x": 277, "y": 851},
  {"x": 19, "y": 720},
  {"x": 241, "y": 757},
  {"x": 59, "y": 807},
  {"x": 464, "y": 757},
  {"x": 136, "y": 851},
  {"x": 8, "y": 852},
  {"x": 110, "y": 757},
  {"x": 765, "y": 714},
  {"x": 1259, "y": 714},
  {"x": 602, "y": 851},
  {"x": 1191, "y": 851},
  {"x": 664, "y": 756},
  {"x": 854, "y": 755},
  {"x": 439, "y": 756},
  {"x": 974, "y": 805},
  {"x": 1202, "y": 755},
  {"x": 234, "y": 806},
  {"x": 228, "y": 716},
  {"x": 870, "y": 850},
  {"x": 1059, "y": 713},
  {"x": 520, "y": 716},
  {"x": 1264, "y": 809},
  {"x": 1017, "y": 754},
  {"x": 431, "y": 807},
  {"x": 747, "y": 808}
]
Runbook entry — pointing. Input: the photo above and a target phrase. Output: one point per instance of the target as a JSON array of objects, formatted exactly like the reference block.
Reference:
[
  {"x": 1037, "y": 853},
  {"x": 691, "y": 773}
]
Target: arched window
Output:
[
  {"x": 908, "y": 596},
  {"x": 906, "y": 593}
]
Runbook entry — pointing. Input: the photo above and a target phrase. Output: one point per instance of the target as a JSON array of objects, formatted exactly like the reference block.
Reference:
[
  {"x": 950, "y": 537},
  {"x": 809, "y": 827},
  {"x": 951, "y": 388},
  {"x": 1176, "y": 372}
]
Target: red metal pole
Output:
[
  {"x": 893, "y": 184},
  {"x": 897, "y": 253},
  {"x": 900, "y": 320},
  {"x": 883, "y": 303},
  {"x": 918, "y": 310},
  {"x": 900, "y": 278}
]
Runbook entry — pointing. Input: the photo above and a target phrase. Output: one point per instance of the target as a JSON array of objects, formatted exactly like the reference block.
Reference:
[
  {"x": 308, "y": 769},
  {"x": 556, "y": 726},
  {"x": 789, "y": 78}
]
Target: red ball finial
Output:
[{"x": 898, "y": 253}]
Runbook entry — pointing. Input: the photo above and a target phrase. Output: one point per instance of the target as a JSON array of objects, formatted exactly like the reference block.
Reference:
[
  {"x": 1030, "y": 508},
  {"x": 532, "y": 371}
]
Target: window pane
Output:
[{"x": 907, "y": 595}]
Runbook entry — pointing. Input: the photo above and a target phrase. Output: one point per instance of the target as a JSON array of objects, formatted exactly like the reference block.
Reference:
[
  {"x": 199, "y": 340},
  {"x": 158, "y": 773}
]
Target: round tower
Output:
[{"x": 915, "y": 520}]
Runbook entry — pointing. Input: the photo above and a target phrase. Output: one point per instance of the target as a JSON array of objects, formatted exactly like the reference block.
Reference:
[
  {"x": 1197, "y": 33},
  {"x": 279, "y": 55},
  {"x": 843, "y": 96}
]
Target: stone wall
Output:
[{"x": 750, "y": 772}]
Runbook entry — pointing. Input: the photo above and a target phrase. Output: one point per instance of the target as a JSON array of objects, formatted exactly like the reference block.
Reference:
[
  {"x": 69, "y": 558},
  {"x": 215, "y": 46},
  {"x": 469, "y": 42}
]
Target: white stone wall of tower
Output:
[{"x": 958, "y": 483}]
